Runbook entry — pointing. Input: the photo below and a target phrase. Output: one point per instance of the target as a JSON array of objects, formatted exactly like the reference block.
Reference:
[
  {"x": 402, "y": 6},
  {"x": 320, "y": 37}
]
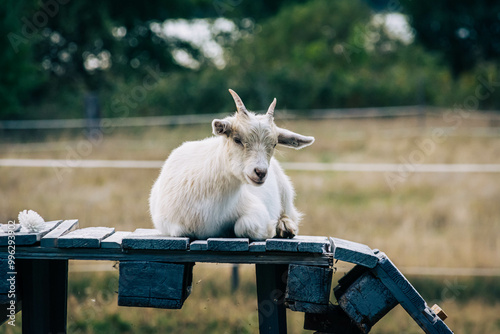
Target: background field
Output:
[{"x": 429, "y": 221}]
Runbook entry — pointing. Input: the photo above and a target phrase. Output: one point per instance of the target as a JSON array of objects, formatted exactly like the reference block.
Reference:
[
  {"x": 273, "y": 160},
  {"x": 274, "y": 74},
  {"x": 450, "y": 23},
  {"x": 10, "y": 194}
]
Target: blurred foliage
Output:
[
  {"x": 308, "y": 54},
  {"x": 465, "y": 32},
  {"x": 329, "y": 54},
  {"x": 19, "y": 76}
]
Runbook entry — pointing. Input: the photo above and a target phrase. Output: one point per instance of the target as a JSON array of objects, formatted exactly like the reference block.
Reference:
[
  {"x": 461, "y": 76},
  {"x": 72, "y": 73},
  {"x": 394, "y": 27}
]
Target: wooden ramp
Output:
[{"x": 157, "y": 271}]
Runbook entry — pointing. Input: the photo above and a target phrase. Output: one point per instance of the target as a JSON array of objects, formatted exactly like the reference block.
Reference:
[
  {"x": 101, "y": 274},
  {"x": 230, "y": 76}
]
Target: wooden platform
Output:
[{"x": 156, "y": 271}]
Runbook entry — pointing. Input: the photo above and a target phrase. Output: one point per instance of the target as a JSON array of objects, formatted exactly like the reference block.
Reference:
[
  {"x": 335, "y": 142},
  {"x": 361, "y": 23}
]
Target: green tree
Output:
[
  {"x": 464, "y": 32},
  {"x": 19, "y": 73},
  {"x": 59, "y": 49},
  {"x": 329, "y": 54}
]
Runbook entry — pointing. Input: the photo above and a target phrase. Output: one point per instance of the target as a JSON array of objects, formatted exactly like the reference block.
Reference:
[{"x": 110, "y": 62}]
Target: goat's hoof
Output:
[
  {"x": 284, "y": 234},
  {"x": 284, "y": 228}
]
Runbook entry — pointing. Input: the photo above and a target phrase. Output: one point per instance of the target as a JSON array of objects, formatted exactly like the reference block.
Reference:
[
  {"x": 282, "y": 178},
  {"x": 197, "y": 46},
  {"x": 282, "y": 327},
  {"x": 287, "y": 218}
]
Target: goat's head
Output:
[{"x": 251, "y": 140}]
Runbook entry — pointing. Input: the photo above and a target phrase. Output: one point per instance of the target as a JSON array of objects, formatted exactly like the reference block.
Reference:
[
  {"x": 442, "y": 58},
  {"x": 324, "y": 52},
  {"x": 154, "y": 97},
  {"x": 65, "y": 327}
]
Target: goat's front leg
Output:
[{"x": 254, "y": 222}]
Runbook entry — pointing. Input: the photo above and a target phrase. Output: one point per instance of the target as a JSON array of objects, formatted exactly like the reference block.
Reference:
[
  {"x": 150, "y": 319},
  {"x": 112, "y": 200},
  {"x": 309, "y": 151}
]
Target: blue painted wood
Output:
[
  {"x": 198, "y": 245},
  {"x": 114, "y": 240},
  {"x": 228, "y": 244},
  {"x": 308, "y": 288},
  {"x": 157, "y": 296},
  {"x": 313, "y": 244},
  {"x": 66, "y": 226},
  {"x": 151, "y": 279},
  {"x": 353, "y": 252},
  {"x": 300, "y": 243},
  {"x": 257, "y": 246},
  {"x": 89, "y": 237},
  {"x": 44, "y": 288},
  {"x": 154, "y": 284},
  {"x": 7, "y": 276},
  {"x": 26, "y": 238},
  {"x": 408, "y": 297},
  {"x": 9, "y": 284},
  {"x": 154, "y": 240},
  {"x": 170, "y": 304},
  {"x": 366, "y": 301},
  {"x": 271, "y": 287},
  {"x": 282, "y": 245}
]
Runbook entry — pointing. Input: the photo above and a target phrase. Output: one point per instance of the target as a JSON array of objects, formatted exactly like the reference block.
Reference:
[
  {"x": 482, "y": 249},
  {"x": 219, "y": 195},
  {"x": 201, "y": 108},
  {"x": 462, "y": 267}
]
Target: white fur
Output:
[{"x": 229, "y": 184}]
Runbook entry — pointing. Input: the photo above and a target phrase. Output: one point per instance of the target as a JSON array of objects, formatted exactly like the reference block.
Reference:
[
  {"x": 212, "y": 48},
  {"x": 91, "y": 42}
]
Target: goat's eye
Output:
[{"x": 238, "y": 141}]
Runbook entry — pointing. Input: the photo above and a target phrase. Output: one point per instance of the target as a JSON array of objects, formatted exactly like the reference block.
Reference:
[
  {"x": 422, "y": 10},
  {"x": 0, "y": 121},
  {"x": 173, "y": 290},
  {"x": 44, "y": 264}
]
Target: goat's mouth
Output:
[{"x": 256, "y": 181}]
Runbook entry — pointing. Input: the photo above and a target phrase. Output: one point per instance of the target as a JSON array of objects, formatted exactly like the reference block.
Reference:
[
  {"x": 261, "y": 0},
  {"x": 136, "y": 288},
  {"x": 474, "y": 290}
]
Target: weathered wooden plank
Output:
[
  {"x": 299, "y": 243},
  {"x": 151, "y": 279},
  {"x": 353, "y": 252},
  {"x": 172, "y": 256},
  {"x": 282, "y": 245},
  {"x": 150, "y": 302},
  {"x": 66, "y": 226},
  {"x": 154, "y": 284},
  {"x": 408, "y": 297},
  {"x": 114, "y": 240},
  {"x": 228, "y": 244},
  {"x": 89, "y": 237},
  {"x": 24, "y": 237},
  {"x": 155, "y": 242},
  {"x": 199, "y": 245},
  {"x": 366, "y": 301},
  {"x": 394, "y": 278},
  {"x": 257, "y": 246},
  {"x": 299, "y": 306},
  {"x": 153, "y": 239},
  {"x": 313, "y": 244},
  {"x": 308, "y": 288}
]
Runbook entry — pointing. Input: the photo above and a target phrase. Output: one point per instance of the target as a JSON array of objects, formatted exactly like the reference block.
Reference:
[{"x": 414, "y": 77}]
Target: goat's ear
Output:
[
  {"x": 221, "y": 127},
  {"x": 293, "y": 140}
]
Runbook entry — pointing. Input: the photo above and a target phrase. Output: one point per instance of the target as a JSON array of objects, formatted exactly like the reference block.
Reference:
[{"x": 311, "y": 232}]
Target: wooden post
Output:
[
  {"x": 271, "y": 287},
  {"x": 235, "y": 278},
  {"x": 92, "y": 113},
  {"x": 44, "y": 288}
]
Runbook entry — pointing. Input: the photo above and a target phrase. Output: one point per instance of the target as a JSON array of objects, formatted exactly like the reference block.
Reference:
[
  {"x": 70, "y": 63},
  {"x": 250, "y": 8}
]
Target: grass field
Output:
[{"x": 418, "y": 219}]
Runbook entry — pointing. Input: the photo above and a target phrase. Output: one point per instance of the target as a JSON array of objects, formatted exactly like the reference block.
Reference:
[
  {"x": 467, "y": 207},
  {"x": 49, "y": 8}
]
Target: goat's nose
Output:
[{"x": 260, "y": 172}]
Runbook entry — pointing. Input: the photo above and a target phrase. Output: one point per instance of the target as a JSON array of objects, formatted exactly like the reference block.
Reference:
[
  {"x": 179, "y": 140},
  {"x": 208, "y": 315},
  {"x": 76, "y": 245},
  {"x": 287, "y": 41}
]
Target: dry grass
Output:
[{"x": 444, "y": 220}]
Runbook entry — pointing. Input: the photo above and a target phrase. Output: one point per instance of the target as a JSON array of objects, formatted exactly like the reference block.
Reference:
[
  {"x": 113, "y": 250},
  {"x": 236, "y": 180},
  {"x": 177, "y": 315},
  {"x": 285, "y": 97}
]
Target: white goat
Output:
[{"x": 229, "y": 185}]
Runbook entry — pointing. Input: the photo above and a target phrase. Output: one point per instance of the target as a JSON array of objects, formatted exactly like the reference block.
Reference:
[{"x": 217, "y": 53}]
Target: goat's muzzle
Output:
[
  {"x": 261, "y": 173},
  {"x": 259, "y": 176}
]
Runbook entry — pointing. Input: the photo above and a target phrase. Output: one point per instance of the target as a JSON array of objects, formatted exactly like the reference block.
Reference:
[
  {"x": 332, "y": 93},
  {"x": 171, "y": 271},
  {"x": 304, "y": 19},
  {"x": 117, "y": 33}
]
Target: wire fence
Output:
[
  {"x": 292, "y": 166},
  {"x": 340, "y": 113}
]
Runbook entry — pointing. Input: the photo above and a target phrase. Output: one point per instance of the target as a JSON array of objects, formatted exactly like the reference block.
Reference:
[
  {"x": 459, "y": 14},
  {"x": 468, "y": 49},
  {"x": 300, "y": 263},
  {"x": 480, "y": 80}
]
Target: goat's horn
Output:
[
  {"x": 239, "y": 104},
  {"x": 270, "y": 110}
]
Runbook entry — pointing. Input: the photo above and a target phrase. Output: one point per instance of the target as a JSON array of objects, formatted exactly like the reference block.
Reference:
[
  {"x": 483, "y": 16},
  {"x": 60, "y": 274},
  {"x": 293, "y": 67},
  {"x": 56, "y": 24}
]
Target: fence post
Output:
[{"x": 92, "y": 112}]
